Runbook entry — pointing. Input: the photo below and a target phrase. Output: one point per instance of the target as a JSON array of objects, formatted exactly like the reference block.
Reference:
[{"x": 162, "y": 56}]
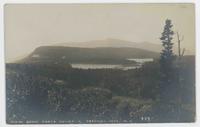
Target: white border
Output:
[{"x": 2, "y": 60}]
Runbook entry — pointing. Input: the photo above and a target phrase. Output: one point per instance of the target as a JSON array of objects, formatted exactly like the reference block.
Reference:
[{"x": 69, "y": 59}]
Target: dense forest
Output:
[{"x": 47, "y": 92}]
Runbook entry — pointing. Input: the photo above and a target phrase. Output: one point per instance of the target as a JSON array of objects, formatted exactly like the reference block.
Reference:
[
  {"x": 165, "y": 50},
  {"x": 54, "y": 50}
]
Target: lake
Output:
[
  {"x": 141, "y": 60},
  {"x": 112, "y": 66}
]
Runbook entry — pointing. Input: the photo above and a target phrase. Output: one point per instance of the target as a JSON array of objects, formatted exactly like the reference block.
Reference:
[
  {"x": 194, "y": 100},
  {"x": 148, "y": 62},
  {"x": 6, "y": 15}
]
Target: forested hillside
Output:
[
  {"x": 55, "y": 92},
  {"x": 60, "y": 54}
]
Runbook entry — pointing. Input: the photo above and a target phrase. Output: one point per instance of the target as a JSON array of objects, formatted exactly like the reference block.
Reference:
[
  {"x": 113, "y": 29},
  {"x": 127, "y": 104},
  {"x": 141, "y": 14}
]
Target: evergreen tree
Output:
[
  {"x": 167, "y": 55},
  {"x": 166, "y": 63}
]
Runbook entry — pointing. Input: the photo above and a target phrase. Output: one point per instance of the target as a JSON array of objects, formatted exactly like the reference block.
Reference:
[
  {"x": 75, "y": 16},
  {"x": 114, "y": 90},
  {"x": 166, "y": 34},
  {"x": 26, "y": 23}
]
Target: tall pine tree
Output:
[
  {"x": 167, "y": 55},
  {"x": 166, "y": 63}
]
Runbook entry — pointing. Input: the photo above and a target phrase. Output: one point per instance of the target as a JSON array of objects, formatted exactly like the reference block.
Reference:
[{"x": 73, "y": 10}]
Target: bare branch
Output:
[
  {"x": 177, "y": 35},
  {"x": 179, "y": 47},
  {"x": 183, "y": 51}
]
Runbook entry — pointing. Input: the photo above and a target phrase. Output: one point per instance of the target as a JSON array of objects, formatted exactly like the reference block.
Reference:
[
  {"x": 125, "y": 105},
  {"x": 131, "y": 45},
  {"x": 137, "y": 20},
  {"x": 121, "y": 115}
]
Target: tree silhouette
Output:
[
  {"x": 166, "y": 62},
  {"x": 167, "y": 55}
]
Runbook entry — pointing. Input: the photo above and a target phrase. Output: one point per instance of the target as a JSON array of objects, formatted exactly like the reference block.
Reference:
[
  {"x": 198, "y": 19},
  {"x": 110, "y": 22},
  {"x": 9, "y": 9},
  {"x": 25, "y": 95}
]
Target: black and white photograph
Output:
[{"x": 100, "y": 63}]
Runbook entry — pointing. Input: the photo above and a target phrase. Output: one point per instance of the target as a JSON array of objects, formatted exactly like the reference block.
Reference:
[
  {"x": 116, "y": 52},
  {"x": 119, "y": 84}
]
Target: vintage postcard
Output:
[{"x": 100, "y": 63}]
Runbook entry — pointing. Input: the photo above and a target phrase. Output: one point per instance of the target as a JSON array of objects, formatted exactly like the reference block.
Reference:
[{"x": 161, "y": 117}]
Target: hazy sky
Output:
[{"x": 29, "y": 26}]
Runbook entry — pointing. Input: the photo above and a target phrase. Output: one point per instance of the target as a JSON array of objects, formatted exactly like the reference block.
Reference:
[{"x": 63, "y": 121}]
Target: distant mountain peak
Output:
[
  {"x": 113, "y": 39},
  {"x": 113, "y": 42}
]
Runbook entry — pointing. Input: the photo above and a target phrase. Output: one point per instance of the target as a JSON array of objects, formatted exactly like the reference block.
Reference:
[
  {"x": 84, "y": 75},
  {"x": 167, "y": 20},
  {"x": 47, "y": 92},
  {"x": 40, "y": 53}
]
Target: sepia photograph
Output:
[{"x": 99, "y": 63}]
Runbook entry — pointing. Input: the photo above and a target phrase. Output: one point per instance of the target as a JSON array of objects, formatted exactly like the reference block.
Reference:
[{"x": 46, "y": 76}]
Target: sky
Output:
[{"x": 28, "y": 26}]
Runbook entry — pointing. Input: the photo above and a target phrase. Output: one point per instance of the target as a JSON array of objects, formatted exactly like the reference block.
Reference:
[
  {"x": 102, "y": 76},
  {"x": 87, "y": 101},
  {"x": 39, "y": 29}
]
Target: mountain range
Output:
[{"x": 111, "y": 42}]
